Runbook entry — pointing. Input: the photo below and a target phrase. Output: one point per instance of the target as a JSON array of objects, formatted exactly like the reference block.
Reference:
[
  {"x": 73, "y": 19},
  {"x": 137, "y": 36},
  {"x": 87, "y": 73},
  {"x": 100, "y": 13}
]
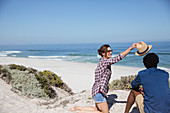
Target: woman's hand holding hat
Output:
[
  {"x": 142, "y": 48},
  {"x": 134, "y": 45}
]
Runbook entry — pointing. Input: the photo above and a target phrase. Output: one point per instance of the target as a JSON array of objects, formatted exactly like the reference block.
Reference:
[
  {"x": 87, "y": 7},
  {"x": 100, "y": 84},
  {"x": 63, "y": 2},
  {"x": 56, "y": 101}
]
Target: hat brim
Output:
[{"x": 150, "y": 46}]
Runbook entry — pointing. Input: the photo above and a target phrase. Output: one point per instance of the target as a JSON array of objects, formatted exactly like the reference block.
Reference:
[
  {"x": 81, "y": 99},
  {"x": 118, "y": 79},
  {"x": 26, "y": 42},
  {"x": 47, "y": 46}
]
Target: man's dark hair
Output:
[{"x": 151, "y": 60}]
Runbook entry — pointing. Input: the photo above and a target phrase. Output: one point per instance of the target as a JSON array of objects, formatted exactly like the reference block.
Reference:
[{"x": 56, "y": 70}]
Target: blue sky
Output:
[{"x": 83, "y": 21}]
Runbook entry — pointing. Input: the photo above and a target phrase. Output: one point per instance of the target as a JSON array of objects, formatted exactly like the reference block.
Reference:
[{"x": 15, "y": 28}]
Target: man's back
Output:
[{"x": 156, "y": 90}]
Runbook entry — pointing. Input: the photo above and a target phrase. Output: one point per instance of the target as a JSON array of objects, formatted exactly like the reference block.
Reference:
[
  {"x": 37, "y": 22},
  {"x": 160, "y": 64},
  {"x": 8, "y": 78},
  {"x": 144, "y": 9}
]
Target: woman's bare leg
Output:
[
  {"x": 83, "y": 108},
  {"x": 101, "y": 108},
  {"x": 90, "y": 112}
]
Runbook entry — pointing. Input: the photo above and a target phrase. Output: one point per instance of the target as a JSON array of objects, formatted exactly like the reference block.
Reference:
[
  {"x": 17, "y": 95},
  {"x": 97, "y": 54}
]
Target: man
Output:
[{"x": 154, "y": 97}]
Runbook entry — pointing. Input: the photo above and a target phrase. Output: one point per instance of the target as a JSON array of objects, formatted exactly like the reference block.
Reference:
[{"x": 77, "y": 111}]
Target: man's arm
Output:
[{"x": 136, "y": 82}]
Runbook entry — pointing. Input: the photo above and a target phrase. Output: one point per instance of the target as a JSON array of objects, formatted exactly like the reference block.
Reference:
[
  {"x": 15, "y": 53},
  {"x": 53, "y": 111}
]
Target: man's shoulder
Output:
[
  {"x": 143, "y": 71},
  {"x": 153, "y": 69},
  {"x": 163, "y": 71}
]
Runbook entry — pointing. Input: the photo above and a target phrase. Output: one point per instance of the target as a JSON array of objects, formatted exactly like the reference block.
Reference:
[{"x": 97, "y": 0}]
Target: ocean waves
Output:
[
  {"x": 72, "y": 58},
  {"x": 85, "y": 53},
  {"x": 6, "y": 53},
  {"x": 47, "y": 57}
]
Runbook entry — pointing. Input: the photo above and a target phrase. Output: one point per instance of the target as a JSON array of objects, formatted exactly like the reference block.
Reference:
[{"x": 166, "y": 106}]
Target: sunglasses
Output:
[{"x": 109, "y": 51}]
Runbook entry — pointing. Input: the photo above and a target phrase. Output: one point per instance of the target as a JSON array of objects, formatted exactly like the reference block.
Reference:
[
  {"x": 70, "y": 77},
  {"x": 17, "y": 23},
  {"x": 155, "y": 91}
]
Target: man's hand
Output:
[{"x": 141, "y": 90}]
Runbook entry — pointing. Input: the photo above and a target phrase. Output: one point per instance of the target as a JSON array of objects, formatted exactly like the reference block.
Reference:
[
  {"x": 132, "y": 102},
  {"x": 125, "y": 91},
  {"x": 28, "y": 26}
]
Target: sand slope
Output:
[{"x": 11, "y": 102}]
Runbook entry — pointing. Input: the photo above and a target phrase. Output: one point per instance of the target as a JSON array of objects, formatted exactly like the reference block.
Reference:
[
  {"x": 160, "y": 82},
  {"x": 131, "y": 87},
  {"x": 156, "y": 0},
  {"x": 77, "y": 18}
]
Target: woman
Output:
[{"x": 102, "y": 77}]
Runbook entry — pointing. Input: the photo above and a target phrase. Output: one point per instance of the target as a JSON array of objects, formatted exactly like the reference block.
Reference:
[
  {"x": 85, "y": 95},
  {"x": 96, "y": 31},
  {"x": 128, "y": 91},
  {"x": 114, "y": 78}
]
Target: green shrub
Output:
[
  {"x": 21, "y": 68},
  {"x": 14, "y": 66},
  {"x": 123, "y": 83},
  {"x": 0, "y": 66},
  {"x": 45, "y": 85},
  {"x": 47, "y": 79},
  {"x": 66, "y": 88},
  {"x": 3, "y": 70},
  {"x": 27, "y": 85},
  {"x": 0, "y": 69},
  {"x": 5, "y": 75},
  {"x": 52, "y": 78},
  {"x": 31, "y": 70},
  {"x": 32, "y": 83}
]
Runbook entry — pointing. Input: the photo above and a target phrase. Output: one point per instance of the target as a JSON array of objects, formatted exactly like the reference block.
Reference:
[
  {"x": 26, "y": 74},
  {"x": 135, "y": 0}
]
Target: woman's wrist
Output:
[{"x": 130, "y": 48}]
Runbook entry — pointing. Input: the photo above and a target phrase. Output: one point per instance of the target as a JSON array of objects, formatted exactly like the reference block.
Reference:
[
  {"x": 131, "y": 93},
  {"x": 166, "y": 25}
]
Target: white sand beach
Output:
[{"x": 78, "y": 76}]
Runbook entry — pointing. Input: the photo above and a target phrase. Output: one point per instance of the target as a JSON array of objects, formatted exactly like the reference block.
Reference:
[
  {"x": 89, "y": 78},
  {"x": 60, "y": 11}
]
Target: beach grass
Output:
[
  {"x": 32, "y": 83},
  {"x": 124, "y": 83}
]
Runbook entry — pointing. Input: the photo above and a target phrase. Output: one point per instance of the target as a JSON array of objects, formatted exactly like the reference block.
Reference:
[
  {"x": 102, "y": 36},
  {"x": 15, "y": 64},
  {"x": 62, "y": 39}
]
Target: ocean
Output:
[{"x": 85, "y": 53}]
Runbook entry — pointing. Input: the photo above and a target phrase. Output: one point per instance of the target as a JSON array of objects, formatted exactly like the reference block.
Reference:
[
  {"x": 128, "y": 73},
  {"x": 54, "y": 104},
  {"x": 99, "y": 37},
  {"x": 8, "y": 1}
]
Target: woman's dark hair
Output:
[
  {"x": 151, "y": 60},
  {"x": 103, "y": 49}
]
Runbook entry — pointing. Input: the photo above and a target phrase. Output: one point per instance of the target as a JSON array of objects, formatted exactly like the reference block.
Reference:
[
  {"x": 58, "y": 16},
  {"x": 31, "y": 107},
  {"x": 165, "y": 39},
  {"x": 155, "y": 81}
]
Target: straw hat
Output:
[{"x": 142, "y": 48}]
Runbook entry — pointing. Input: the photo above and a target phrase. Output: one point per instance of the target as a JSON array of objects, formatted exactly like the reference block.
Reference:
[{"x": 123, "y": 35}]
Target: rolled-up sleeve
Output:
[{"x": 113, "y": 60}]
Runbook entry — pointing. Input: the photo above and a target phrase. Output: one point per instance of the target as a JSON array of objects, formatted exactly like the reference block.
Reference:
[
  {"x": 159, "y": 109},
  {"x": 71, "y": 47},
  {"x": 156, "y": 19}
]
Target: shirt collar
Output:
[{"x": 153, "y": 68}]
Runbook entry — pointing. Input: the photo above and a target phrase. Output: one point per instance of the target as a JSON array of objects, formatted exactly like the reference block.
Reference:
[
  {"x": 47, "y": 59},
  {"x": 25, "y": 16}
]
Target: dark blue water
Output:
[{"x": 86, "y": 53}]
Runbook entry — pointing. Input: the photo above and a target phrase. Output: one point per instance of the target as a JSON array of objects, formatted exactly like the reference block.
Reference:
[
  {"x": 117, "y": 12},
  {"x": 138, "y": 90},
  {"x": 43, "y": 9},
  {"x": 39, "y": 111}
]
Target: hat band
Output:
[{"x": 143, "y": 51}]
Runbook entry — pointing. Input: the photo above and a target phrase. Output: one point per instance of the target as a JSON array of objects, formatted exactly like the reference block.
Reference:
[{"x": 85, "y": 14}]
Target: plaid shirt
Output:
[{"x": 103, "y": 74}]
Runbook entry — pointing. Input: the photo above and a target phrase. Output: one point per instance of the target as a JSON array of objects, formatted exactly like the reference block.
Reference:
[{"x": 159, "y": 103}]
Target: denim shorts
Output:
[{"x": 99, "y": 98}]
